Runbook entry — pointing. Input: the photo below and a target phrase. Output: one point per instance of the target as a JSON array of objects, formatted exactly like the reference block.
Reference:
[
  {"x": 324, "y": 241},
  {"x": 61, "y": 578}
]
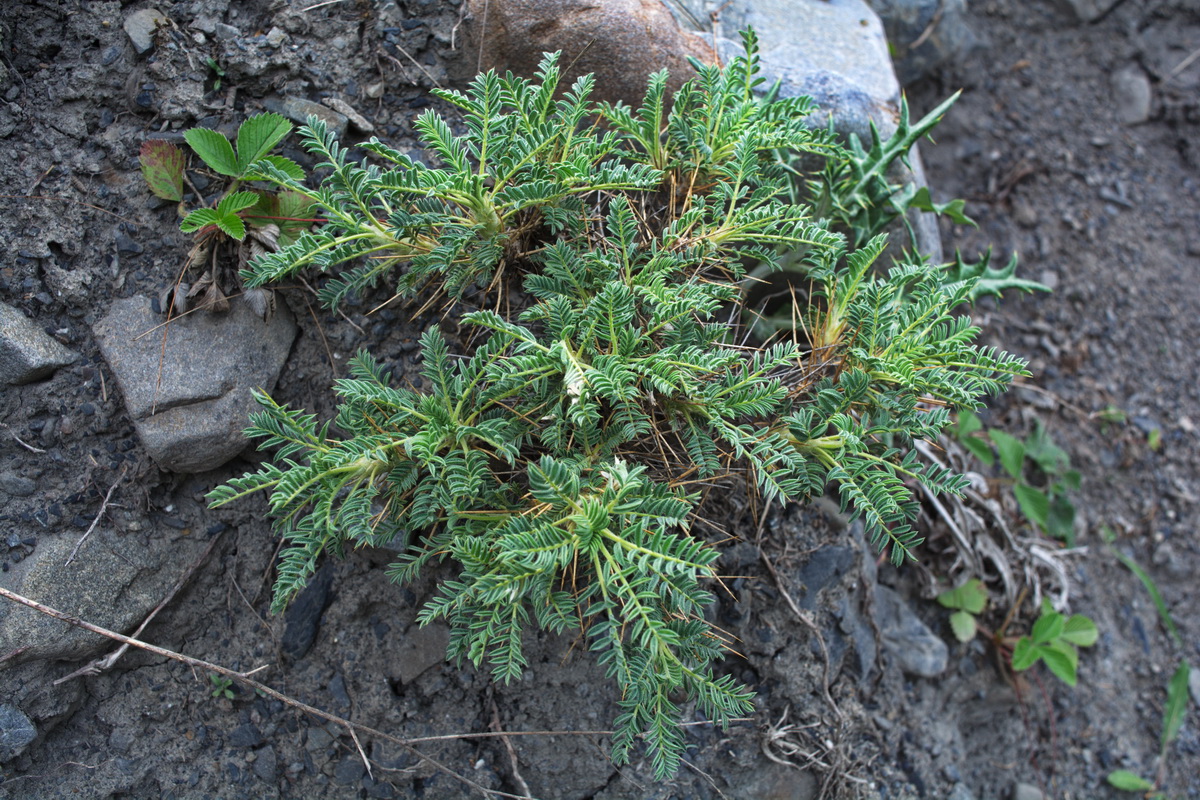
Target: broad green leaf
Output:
[
  {"x": 1060, "y": 520},
  {"x": 971, "y": 597},
  {"x": 233, "y": 226},
  {"x": 199, "y": 219},
  {"x": 1051, "y": 458},
  {"x": 1080, "y": 631},
  {"x": 235, "y": 202},
  {"x": 968, "y": 423},
  {"x": 1177, "y": 703},
  {"x": 1025, "y": 654},
  {"x": 1048, "y": 627},
  {"x": 1012, "y": 452},
  {"x": 257, "y": 136},
  {"x": 1035, "y": 505},
  {"x": 1126, "y": 781},
  {"x": 1062, "y": 659},
  {"x": 162, "y": 166},
  {"x": 981, "y": 449},
  {"x": 963, "y": 625},
  {"x": 214, "y": 149}
]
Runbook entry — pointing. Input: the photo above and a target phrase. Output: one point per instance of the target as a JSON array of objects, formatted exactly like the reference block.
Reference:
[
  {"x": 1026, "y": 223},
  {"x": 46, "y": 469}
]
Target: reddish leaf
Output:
[{"x": 162, "y": 166}]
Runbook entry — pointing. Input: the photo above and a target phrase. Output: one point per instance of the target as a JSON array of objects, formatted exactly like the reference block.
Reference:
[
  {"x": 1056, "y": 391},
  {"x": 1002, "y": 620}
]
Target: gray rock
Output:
[
  {"x": 111, "y": 582},
  {"x": 140, "y": 26},
  {"x": 351, "y": 114},
  {"x": 960, "y": 792},
  {"x": 771, "y": 781},
  {"x": 917, "y": 650},
  {"x": 302, "y": 619},
  {"x": 276, "y": 37},
  {"x": 16, "y": 732},
  {"x": 924, "y": 34},
  {"x": 16, "y": 485},
  {"x": 26, "y": 352},
  {"x": 1194, "y": 685},
  {"x": 187, "y": 385},
  {"x": 349, "y": 771},
  {"x": 836, "y": 52},
  {"x": 299, "y": 110},
  {"x": 1131, "y": 95},
  {"x": 1027, "y": 791},
  {"x": 1091, "y": 10},
  {"x": 421, "y": 648},
  {"x": 266, "y": 765},
  {"x": 247, "y": 735}
]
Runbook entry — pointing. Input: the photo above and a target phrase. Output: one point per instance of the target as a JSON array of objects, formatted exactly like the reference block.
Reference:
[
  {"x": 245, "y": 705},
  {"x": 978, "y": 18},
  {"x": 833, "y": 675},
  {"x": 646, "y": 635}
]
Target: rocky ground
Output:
[{"x": 1075, "y": 144}]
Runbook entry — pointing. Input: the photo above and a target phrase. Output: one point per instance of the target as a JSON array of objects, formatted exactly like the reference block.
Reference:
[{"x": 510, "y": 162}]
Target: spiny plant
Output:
[
  {"x": 558, "y": 452},
  {"x": 254, "y": 220}
]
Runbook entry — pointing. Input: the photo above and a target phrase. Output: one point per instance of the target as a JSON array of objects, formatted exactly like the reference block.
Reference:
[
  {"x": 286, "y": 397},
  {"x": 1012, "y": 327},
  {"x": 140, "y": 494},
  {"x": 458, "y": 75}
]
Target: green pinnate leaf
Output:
[
  {"x": 257, "y": 136},
  {"x": 162, "y": 167},
  {"x": 214, "y": 150},
  {"x": 281, "y": 163}
]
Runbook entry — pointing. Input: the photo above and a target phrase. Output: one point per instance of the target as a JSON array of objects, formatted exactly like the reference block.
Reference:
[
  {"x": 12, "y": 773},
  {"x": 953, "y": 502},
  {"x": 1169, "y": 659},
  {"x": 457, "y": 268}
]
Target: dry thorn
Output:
[{"x": 27, "y": 446}]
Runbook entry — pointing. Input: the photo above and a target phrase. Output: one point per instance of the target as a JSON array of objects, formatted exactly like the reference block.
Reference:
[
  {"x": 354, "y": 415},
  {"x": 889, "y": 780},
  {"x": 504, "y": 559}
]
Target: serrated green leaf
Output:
[
  {"x": 968, "y": 423},
  {"x": 1079, "y": 631},
  {"x": 1024, "y": 655},
  {"x": 1062, "y": 659},
  {"x": 162, "y": 167},
  {"x": 1177, "y": 703},
  {"x": 257, "y": 136},
  {"x": 235, "y": 202},
  {"x": 1127, "y": 781},
  {"x": 281, "y": 163},
  {"x": 232, "y": 225},
  {"x": 1012, "y": 452},
  {"x": 214, "y": 150},
  {"x": 199, "y": 219},
  {"x": 963, "y": 625},
  {"x": 1048, "y": 627},
  {"x": 1060, "y": 520},
  {"x": 1035, "y": 505},
  {"x": 971, "y": 597}
]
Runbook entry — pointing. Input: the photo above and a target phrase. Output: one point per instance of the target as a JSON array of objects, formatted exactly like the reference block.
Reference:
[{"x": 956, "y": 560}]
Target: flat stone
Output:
[
  {"x": 276, "y": 37},
  {"x": 16, "y": 732},
  {"x": 916, "y": 648},
  {"x": 16, "y": 485},
  {"x": 1027, "y": 791},
  {"x": 247, "y": 735},
  {"x": 187, "y": 384},
  {"x": 771, "y": 781},
  {"x": 266, "y": 765},
  {"x": 356, "y": 119},
  {"x": 27, "y": 353},
  {"x": 302, "y": 620},
  {"x": 420, "y": 649},
  {"x": 140, "y": 26},
  {"x": 299, "y": 110},
  {"x": 1132, "y": 95}
]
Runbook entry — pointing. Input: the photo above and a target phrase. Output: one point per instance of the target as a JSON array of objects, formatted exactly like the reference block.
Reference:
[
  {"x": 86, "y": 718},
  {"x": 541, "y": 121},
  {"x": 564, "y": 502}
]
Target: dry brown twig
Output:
[
  {"x": 243, "y": 678},
  {"x": 102, "y": 664},
  {"x": 103, "y": 507}
]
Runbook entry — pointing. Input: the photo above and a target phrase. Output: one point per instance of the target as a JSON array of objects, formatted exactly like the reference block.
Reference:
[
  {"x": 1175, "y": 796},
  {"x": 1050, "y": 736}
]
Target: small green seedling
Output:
[
  {"x": 222, "y": 686},
  {"x": 218, "y": 73},
  {"x": 967, "y": 601},
  {"x": 1055, "y": 640},
  {"x": 1177, "y": 702},
  {"x": 1046, "y": 504},
  {"x": 258, "y": 221}
]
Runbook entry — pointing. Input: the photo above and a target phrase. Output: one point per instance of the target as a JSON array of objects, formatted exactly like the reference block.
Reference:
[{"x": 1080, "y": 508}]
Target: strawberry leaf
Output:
[
  {"x": 162, "y": 167},
  {"x": 257, "y": 136},
  {"x": 214, "y": 149}
]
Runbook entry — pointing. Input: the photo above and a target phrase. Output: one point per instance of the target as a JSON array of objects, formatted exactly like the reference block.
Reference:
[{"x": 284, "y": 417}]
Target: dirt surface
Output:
[{"x": 1106, "y": 212}]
